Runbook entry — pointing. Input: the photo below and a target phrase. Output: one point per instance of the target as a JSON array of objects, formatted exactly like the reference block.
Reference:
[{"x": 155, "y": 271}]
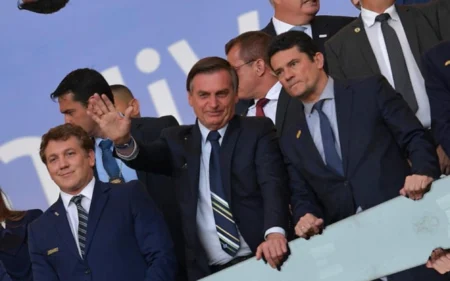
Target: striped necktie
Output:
[
  {"x": 82, "y": 222},
  {"x": 225, "y": 225}
]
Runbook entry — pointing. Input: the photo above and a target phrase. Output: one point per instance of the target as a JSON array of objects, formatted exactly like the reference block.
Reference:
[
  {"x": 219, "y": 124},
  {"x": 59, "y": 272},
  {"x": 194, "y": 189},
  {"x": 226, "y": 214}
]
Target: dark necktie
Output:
[
  {"x": 109, "y": 162},
  {"x": 260, "y": 105},
  {"x": 329, "y": 141},
  {"x": 82, "y": 222},
  {"x": 225, "y": 225},
  {"x": 397, "y": 61}
]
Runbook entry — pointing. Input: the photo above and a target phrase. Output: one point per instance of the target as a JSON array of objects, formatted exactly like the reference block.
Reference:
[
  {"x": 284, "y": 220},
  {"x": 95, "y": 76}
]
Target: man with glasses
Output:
[{"x": 246, "y": 53}]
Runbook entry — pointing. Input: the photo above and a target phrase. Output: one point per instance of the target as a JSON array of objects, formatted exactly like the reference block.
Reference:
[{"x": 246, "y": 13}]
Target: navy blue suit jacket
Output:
[
  {"x": 127, "y": 239},
  {"x": 409, "y": 2},
  {"x": 436, "y": 63},
  {"x": 377, "y": 133},
  {"x": 3, "y": 274},
  {"x": 14, "y": 248},
  {"x": 253, "y": 173}
]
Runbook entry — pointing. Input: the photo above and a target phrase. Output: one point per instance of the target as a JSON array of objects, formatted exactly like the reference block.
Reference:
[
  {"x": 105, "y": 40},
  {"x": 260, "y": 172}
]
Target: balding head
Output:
[{"x": 124, "y": 98}]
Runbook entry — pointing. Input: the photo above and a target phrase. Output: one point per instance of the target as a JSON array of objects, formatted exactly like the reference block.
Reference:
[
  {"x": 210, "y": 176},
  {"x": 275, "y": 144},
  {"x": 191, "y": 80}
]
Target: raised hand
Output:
[{"x": 112, "y": 123}]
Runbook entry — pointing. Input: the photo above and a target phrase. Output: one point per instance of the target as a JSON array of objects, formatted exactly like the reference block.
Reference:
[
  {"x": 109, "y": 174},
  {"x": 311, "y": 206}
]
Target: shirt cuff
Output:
[
  {"x": 274, "y": 229},
  {"x": 133, "y": 154}
]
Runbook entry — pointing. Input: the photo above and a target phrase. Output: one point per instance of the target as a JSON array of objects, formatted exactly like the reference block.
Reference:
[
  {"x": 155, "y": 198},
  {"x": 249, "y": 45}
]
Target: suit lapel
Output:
[
  {"x": 98, "y": 202},
  {"x": 270, "y": 29},
  {"x": 58, "y": 213},
  {"x": 193, "y": 143},
  {"x": 282, "y": 108},
  {"x": 362, "y": 41},
  {"x": 409, "y": 26},
  {"x": 319, "y": 31},
  {"x": 226, "y": 153},
  {"x": 343, "y": 103},
  {"x": 136, "y": 132}
]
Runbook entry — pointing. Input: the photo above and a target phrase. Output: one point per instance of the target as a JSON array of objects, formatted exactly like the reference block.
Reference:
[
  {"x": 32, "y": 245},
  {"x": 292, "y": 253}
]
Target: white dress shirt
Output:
[
  {"x": 3, "y": 224},
  {"x": 282, "y": 27},
  {"x": 270, "y": 109},
  {"x": 206, "y": 225},
  {"x": 71, "y": 208},
  {"x": 376, "y": 39}
]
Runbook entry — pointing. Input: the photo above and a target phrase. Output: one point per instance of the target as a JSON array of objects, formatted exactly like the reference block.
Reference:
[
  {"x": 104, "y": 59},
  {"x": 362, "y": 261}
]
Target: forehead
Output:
[
  {"x": 59, "y": 146},
  {"x": 67, "y": 100},
  {"x": 234, "y": 53},
  {"x": 212, "y": 81},
  {"x": 285, "y": 56}
]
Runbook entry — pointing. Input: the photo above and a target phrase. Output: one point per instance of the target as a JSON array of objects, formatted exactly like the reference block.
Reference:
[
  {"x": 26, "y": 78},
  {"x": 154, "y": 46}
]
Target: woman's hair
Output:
[{"x": 5, "y": 212}]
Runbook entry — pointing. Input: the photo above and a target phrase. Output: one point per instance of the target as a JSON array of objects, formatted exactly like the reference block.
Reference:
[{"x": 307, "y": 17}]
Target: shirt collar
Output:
[
  {"x": 273, "y": 94},
  {"x": 282, "y": 27},
  {"x": 205, "y": 131},
  {"x": 87, "y": 192},
  {"x": 327, "y": 94},
  {"x": 368, "y": 17}
]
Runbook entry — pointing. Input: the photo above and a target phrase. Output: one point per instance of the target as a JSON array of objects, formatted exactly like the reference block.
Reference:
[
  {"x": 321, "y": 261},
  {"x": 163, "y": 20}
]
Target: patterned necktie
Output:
[
  {"x": 109, "y": 162},
  {"x": 328, "y": 139},
  {"x": 225, "y": 225},
  {"x": 260, "y": 105},
  {"x": 82, "y": 222},
  {"x": 298, "y": 28},
  {"x": 397, "y": 61}
]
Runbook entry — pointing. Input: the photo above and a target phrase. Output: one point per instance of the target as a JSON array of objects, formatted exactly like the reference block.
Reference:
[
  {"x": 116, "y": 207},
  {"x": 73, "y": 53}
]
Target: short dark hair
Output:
[
  {"x": 253, "y": 45},
  {"x": 211, "y": 65},
  {"x": 63, "y": 133},
  {"x": 83, "y": 83},
  {"x": 122, "y": 90},
  {"x": 290, "y": 39}
]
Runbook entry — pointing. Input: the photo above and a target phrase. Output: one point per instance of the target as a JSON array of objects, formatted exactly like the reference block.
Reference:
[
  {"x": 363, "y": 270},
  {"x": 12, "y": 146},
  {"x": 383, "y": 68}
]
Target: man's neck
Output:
[
  {"x": 379, "y": 7},
  {"x": 265, "y": 86},
  {"x": 293, "y": 19},
  {"x": 314, "y": 96}
]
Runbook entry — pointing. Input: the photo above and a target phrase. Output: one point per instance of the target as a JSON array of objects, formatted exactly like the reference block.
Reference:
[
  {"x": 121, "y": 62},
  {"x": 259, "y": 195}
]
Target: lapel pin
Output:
[
  {"x": 357, "y": 30},
  {"x": 323, "y": 35},
  {"x": 447, "y": 63},
  {"x": 56, "y": 214},
  {"x": 299, "y": 133},
  {"x": 52, "y": 251}
]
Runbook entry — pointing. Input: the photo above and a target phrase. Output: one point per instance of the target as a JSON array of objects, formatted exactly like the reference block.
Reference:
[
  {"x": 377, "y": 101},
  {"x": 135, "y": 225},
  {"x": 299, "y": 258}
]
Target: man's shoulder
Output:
[
  {"x": 439, "y": 51},
  {"x": 156, "y": 122},
  {"x": 349, "y": 30},
  {"x": 363, "y": 82},
  {"x": 335, "y": 20}
]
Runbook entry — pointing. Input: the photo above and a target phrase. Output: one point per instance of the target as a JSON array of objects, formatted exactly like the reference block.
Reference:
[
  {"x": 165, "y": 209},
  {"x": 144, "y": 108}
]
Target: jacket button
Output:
[{"x": 88, "y": 271}]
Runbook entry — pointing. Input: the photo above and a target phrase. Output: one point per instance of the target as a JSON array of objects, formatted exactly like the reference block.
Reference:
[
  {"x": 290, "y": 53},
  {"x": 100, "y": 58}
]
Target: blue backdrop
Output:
[{"x": 147, "y": 45}]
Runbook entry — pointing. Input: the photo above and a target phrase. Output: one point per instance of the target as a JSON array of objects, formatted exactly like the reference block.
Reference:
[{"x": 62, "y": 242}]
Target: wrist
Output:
[{"x": 123, "y": 142}]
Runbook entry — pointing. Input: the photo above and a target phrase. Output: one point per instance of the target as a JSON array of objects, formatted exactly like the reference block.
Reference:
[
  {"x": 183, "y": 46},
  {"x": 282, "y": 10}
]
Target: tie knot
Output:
[
  {"x": 105, "y": 144},
  {"x": 213, "y": 136},
  {"x": 318, "y": 105},
  {"x": 383, "y": 17},
  {"x": 77, "y": 199},
  {"x": 262, "y": 102},
  {"x": 298, "y": 28}
]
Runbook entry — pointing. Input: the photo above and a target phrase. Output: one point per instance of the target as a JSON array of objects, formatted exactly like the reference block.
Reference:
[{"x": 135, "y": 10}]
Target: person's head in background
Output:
[
  {"x": 73, "y": 94},
  {"x": 356, "y": 3},
  {"x": 247, "y": 54},
  {"x": 378, "y": 6},
  {"x": 123, "y": 98},
  {"x": 295, "y": 12}
]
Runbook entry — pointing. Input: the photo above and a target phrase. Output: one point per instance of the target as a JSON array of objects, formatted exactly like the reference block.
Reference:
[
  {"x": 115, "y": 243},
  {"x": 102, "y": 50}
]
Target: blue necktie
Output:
[
  {"x": 298, "y": 28},
  {"x": 328, "y": 139},
  {"x": 109, "y": 162},
  {"x": 225, "y": 225},
  {"x": 82, "y": 222}
]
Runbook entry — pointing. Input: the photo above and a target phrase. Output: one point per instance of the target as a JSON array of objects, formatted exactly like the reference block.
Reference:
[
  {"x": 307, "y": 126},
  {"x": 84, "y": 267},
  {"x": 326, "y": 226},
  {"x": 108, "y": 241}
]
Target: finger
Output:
[
  {"x": 100, "y": 104},
  {"x": 284, "y": 247},
  {"x": 318, "y": 222},
  {"x": 268, "y": 257},
  {"x": 274, "y": 254},
  {"x": 403, "y": 192},
  {"x": 277, "y": 247},
  {"x": 128, "y": 112},
  {"x": 94, "y": 117},
  {"x": 258, "y": 252},
  {"x": 108, "y": 103}
]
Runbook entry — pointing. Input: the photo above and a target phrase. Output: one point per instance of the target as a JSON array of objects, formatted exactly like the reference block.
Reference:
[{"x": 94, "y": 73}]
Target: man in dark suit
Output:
[
  {"x": 42, "y": 6},
  {"x": 73, "y": 94},
  {"x": 95, "y": 230},
  {"x": 247, "y": 54},
  {"x": 350, "y": 149},
  {"x": 436, "y": 64},
  {"x": 389, "y": 40},
  {"x": 228, "y": 170}
]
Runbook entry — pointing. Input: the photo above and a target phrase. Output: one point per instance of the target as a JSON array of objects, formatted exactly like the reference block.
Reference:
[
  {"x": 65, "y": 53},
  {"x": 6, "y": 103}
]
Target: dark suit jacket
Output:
[
  {"x": 148, "y": 129},
  {"x": 253, "y": 174},
  {"x": 3, "y": 274},
  {"x": 350, "y": 55},
  {"x": 14, "y": 249},
  {"x": 377, "y": 130},
  {"x": 43, "y": 6},
  {"x": 127, "y": 239},
  {"x": 287, "y": 112},
  {"x": 438, "y": 14},
  {"x": 437, "y": 82},
  {"x": 409, "y": 2}
]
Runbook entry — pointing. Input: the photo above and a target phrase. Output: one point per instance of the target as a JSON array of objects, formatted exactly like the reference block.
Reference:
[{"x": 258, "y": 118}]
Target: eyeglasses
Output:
[{"x": 239, "y": 66}]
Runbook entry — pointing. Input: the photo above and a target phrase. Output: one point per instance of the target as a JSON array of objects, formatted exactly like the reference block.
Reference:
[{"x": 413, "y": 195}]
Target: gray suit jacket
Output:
[{"x": 350, "y": 55}]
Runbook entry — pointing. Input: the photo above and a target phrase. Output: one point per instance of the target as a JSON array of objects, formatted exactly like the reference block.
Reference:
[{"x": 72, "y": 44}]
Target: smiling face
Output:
[
  {"x": 300, "y": 75},
  {"x": 70, "y": 166},
  {"x": 213, "y": 99}
]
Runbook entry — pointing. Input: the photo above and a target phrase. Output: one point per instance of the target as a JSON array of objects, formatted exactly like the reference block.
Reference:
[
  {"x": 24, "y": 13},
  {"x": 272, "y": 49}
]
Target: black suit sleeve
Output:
[
  {"x": 272, "y": 179},
  {"x": 415, "y": 141},
  {"x": 303, "y": 198},
  {"x": 334, "y": 67},
  {"x": 439, "y": 97}
]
